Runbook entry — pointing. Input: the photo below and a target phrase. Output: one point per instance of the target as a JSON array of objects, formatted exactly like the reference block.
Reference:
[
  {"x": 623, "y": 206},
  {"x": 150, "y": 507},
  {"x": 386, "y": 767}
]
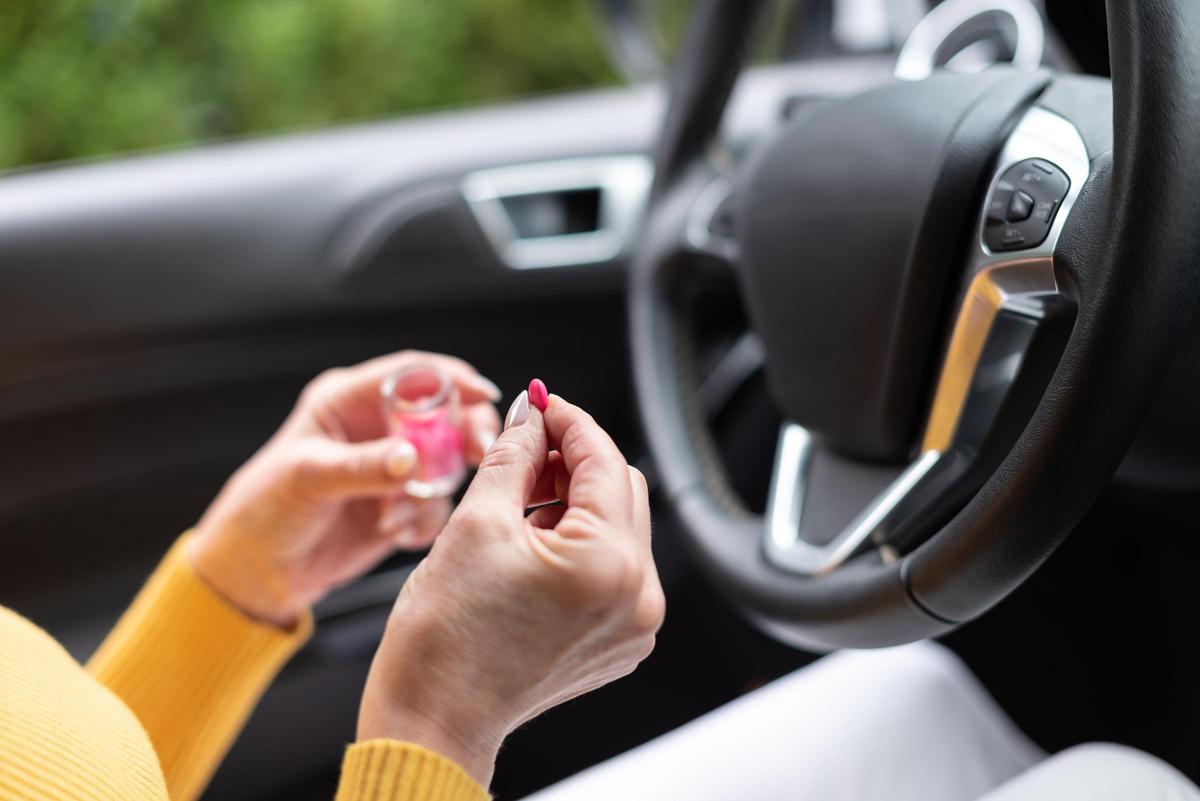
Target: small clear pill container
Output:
[{"x": 421, "y": 405}]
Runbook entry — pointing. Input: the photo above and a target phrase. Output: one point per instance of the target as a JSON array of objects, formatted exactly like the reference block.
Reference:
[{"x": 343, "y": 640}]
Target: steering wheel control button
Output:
[
  {"x": 1013, "y": 239},
  {"x": 1022, "y": 206},
  {"x": 998, "y": 205},
  {"x": 1019, "y": 207},
  {"x": 1043, "y": 210}
]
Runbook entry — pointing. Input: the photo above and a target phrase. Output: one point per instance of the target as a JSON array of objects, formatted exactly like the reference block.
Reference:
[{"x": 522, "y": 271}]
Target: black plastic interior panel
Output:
[
  {"x": 574, "y": 211},
  {"x": 421, "y": 236},
  {"x": 238, "y": 232}
]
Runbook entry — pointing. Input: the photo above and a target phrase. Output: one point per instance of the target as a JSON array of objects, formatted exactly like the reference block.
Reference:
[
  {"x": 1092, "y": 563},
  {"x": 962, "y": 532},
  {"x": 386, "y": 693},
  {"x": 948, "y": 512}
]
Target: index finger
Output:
[{"x": 599, "y": 474}]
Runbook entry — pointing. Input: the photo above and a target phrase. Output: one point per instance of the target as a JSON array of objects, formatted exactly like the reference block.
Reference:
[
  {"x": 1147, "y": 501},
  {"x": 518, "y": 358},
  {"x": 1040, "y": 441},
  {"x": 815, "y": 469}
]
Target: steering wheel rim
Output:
[{"x": 1122, "y": 257}]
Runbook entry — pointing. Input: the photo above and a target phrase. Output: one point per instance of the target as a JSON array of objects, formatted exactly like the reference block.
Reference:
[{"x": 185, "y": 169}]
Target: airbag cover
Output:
[{"x": 852, "y": 221}]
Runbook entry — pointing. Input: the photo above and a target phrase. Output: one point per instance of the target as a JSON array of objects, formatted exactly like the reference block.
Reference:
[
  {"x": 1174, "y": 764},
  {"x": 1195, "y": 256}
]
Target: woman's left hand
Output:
[{"x": 322, "y": 502}]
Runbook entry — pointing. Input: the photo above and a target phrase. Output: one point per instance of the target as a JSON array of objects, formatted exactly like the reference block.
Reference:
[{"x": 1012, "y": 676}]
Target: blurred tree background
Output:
[{"x": 90, "y": 77}]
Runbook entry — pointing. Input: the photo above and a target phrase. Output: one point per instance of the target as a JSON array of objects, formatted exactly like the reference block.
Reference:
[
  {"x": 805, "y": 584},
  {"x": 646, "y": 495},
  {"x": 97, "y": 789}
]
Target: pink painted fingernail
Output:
[{"x": 538, "y": 394}]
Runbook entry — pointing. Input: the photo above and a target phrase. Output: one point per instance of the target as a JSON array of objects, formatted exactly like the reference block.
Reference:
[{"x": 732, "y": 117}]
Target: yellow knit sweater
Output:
[{"x": 162, "y": 700}]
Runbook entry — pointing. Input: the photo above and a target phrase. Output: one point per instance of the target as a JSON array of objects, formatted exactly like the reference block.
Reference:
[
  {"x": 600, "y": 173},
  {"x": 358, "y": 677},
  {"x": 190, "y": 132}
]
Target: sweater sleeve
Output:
[
  {"x": 388, "y": 770},
  {"x": 191, "y": 667}
]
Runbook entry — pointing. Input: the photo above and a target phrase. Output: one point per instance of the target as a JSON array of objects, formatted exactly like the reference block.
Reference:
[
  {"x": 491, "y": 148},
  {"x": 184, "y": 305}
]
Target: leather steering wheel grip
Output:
[
  {"x": 716, "y": 46},
  {"x": 1129, "y": 255}
]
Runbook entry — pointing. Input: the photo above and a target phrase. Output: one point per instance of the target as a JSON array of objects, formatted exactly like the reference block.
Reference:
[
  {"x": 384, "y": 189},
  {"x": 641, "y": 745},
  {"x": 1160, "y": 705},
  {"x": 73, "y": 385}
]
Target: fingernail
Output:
[
  {"x": 400, "y": 515},
  {"x": 538, "y": 394},
  {"x": 518, "y": 413},
  {"x": 489, "y": 388},
  {"x": 406, "y": 537},
  {"x": 485, "y": 438},
  {"x": 401, "y": 460}
]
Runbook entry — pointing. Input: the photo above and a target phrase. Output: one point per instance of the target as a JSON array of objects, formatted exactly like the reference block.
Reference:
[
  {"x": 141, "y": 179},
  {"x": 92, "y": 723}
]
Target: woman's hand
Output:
[
  {"x": 322, "y": 502},
  {"x": 509, "y": 616}
]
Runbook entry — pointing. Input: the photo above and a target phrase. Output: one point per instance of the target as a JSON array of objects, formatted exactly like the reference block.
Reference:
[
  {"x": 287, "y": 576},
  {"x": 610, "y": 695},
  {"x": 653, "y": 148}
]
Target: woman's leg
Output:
[
  {"x": 1098, "y": 772},
  {"x": 895, "y": 724}
]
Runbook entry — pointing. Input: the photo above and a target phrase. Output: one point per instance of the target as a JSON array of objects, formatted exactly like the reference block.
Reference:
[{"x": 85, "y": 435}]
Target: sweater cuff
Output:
[
  {"x": 191, "y": 667},
  {"x": 389, "y": 770}
]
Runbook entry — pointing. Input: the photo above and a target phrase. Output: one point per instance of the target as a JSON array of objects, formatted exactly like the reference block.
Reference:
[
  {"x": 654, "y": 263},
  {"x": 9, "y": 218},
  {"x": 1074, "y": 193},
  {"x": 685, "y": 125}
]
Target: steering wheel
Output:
[{"x": 967, "y": 291}]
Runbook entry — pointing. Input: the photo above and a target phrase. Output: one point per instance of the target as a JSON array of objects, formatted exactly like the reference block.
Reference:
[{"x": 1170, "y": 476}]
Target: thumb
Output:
[
  {"x": 509, "y": 470},
  {"x": 346, "y": 469}
]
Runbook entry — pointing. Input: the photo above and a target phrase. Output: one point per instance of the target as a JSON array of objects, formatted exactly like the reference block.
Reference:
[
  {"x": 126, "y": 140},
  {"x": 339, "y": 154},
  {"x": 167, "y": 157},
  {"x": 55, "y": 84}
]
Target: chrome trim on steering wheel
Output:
[
  {"x": 699, "y": 233},
  {"x": 922, "y": 50},
  {"x": 1008, "y": 296},
  {"x": 785, "y": 504}
]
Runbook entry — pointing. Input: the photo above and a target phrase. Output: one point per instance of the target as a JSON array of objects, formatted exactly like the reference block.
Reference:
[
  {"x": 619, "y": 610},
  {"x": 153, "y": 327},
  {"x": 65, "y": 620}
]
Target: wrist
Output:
[
  {"x": 470, "y": 749},
  {"x": 242, "y": 582},
  {"x": 411, "y": 700}
]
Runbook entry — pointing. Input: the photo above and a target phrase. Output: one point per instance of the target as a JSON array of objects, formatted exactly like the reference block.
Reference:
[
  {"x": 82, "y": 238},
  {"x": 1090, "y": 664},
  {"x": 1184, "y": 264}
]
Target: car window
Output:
[{"x": 85, "y": 78}]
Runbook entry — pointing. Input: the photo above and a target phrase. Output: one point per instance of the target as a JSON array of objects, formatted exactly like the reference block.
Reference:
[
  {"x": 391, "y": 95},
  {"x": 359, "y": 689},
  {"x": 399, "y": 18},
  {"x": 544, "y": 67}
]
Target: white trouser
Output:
[{"x": 901, "y": 724}]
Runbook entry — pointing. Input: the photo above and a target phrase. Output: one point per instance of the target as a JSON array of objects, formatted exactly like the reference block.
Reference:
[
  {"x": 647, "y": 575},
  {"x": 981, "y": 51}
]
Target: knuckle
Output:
[
  {"x": 330, "y": 377},
  {"x": 633, "y": 653},
  {"x": 572, "y": 438},
  {"x": 323, "y": 384},
  {"x": 636, "y": 475},
  {"x": 615, "y": 580},
  {"x": 624, "y": 668},
  {"x": 622, "y": 571},
  {"x": 470, "y": 517},
  {"x": 503, "y": 454},
  {"x": 508, "y": 455},
  {"x": 638, "y": 479},
  {"x": 307, "y": 473},
  {"x": 650, "y": 612},
  {"x": 645, "y": 647}
]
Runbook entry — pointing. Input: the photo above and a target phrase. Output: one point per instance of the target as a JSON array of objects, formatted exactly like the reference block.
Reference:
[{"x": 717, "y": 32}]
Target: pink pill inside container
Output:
[{"x": 421, "y": 405}]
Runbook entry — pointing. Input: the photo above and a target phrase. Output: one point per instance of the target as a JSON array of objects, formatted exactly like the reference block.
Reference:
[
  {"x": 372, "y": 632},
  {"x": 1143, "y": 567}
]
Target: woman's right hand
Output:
[{"x": 508, "y": 616}]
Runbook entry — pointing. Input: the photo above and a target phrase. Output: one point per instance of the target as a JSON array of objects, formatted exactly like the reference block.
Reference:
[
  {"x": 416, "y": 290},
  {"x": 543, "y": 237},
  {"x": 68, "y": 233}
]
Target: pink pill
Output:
[{"x": 538, "y": 395}]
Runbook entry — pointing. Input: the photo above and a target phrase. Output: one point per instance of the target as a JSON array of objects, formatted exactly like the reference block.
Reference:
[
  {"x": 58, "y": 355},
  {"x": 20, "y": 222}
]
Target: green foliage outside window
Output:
[{"x": 89, "y": 77}]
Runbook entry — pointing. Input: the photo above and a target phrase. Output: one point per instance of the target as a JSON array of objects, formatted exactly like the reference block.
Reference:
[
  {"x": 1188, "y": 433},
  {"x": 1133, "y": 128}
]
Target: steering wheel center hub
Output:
[{"x": 851, "y": 219}]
